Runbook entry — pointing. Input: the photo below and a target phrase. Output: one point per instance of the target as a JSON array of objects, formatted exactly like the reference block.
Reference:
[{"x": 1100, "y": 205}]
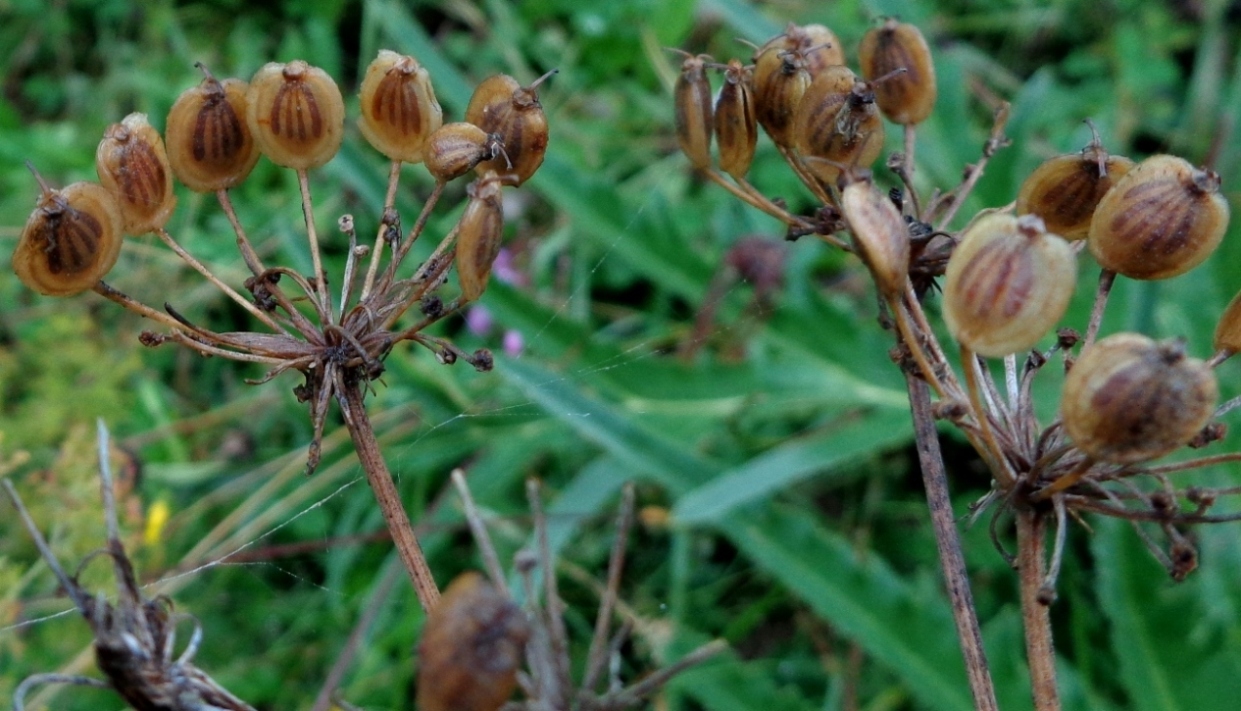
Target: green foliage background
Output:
[{"x": 782, "y": 510}]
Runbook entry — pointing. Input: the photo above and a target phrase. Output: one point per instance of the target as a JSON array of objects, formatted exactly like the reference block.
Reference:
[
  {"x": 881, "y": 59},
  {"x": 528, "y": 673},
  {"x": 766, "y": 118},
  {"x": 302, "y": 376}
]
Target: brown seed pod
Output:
[
  {"x": 818, "y": 47},
  {"x": 1066, "y": 189},
  {"x": 1129, "y": 398},
  {"x": 838, "y": 122},
  {"x": 472, "y": 646},
  {"x": 71, "y": 240},
  {"x": 1228, "y": 330},
  {"x": 502, "y": 106},
  {"x": 780, "y": 80},
  {"x": 133, "y": 166},
  {"x": 296, "y": 114},
  {"x": 454, "y": 149},
  {"x": 1008, "y": 283},
  {"x": 209, "y": 143},
  {"x": 480, "y": 232},
  {"x": 880, "y": 235},
  {"x": 692, "y": 97},
  {"x": 1163, "y": 218},
  {"x": 736, "y": 128},
  {"x": 399, "y": 109},
  {"x": 907, "y": 98}
]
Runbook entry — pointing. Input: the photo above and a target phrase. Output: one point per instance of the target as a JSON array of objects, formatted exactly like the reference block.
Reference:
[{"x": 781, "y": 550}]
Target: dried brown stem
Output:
[
  {"x": 475, "y": 520},
  {"x": 415, "y": 232},
  {"x": 394, "y": 176},
  {"x": 993, "y": 452},
  {"x": 1036, "y": 617},
  {"x": 320, "y": 296},
  {"x": 597, "y": 656},
  {"x": 956, "y": 197},
  {"x": 248, "y": 254},
  {"x": 1106, "y": 278}
]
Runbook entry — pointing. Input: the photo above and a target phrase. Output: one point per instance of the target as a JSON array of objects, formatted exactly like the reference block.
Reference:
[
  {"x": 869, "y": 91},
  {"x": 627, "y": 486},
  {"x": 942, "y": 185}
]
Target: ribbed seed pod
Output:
[
  {"x": 837, "y": 121},
  {"x": 1066, "y": 189},
  {"x": 472, "y": 646},
  {"x": 780, "y": 80},
  {"x": 133, "y": 166},
  {"x": 1129, "y": 398},
  {"x": 399, "y": 109},
  {"x": 480, "y": 232},
  {"x": 1007, "y": 284},
  {"x": 296, "y": 114},
  {"x": 1228, "y": 330},
  {"x": 880, "y": 235},
  {"x": 455, "y": 148},
  {"x": 71, "y": 240},
  {"x": 692, "y": 97},
  {"x": 909, "y": 97},
  {"x": 1161, "y": 219},
  {"x": 817, "y": 45},
  {"x": 736, "y": 128},
  {"x": 502, "y": 106},
  {"x": 209, "y": 143}
]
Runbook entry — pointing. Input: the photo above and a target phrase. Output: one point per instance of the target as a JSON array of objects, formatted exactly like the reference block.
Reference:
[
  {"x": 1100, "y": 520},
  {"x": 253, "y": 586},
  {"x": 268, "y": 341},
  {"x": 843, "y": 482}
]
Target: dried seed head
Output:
[
  {"x": 780, "y": 80},
  {"x": 472, "y": 646},
  {"x": 71, "y": 240},
  {"x": 880, "y": 235},
  {"x": 133, "y": 166},
  {"x": 502, "y": 106},
  {"x": 692, "y": 97},
  {"x": 1065, "y": 190},
  {"x": 837, "y": 121},
  {"x": 209, "y": 143},
  {"x": 1228, "y": 330},
  {"x": 296, "y": 114},
  {"x": 907, "y": 98},
  {"x": 736, "y": 128},
  {"x": 455, "y": 148},
  {"x": 818, "y": 47},
  {"x": 480, "y": 232},
  {"x": 1008, "y": 283},
  {"x": 1163, "y": 218},
  {"x": 1129, "y": 398},
  {"x": 399, "y": 110}
]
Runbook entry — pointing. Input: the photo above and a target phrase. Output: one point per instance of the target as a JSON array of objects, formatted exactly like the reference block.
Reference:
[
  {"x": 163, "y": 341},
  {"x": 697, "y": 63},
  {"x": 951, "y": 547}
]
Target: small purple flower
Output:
[
  {"x": 505, "y": 270},
  {"x": 479, "y": 320},
  {"x": 514, "y": 342}
]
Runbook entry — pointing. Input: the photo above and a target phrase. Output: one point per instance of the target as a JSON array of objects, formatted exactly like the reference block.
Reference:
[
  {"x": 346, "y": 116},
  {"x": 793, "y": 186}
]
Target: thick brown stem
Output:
[
  {"x": 1035, "y": 615},
  {"x": 387, "y": 496},
  {"x": 951, "y": 559}
]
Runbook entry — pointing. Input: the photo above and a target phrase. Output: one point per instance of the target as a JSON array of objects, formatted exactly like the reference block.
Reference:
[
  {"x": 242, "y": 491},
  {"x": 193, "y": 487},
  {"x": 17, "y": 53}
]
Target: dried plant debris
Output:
[{"x": 135, "y": 636}]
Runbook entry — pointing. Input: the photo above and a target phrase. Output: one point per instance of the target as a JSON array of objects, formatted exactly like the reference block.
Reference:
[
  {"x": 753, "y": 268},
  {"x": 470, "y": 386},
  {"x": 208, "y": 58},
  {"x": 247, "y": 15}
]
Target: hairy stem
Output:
[{"x": 1035, "y": 615}]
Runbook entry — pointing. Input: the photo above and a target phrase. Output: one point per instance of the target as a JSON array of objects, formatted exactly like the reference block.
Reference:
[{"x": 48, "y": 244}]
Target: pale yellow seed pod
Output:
[
  {"x": 209, "y": 143},
  {"x": 296, "y": 114},
  {"x": 909, "y": 97},
  {"x": 71, "y": 241},
  {"x": 1129, "y": 398},
  {"x": 880, "y": 235},
  {"x": 692, "y": 109},
  {"x": 780, "y": 80},
  {"x": 1066, "y": 190},
  {"x": 1008, "y": 283},
  {"x": 736, "y": 128},
  {"x": 480, "y": 232},
  {"x": 133, "y": 166},
  {"x": 501, "y": 106},
  {"x": 454, "y": 149},
  {"x": 399, "y": 109}
]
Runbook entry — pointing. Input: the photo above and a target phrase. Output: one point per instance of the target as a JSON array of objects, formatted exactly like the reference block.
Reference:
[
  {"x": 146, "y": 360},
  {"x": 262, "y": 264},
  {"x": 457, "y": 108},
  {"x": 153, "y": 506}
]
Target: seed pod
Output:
[
  {"x": 455, "y": 148},
  {"x": 780, "y": 80},
  {"x": 1228, "y": 330},
  {"x": 296, "y": 114},
  {"x": 502, "y": 106},
  {"x": 1129, "y": 398},
  {"x": 1161, "y": 219},
  {"x": 692, "y": 97},
  {"x": 880, "y": 235},
  {"x": 209, "y": 143},
  {"x": 817, "y": 45},
  {"x": 71, "y": 240},
  {"x": 1008, "y": 282},
  {"x": 1066, "y": 189},
  {"x": 838, "y": 122},
  {"x": 735, "y": 126},
  {"x": 133, "y": 166},
  {"x": 399, "y": 110},
  {"x": 479, "y": 235},
  {"x": 472, "y": 646},
  {"x": 906, "y": 98}
]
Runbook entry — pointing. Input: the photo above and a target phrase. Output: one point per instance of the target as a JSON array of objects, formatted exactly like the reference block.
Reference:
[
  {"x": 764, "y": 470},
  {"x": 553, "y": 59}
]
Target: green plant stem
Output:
[
  {"x": 1040, "y": 652},
  {"x": 386, "y": 495},
  {"x": 948, "y": 543}
]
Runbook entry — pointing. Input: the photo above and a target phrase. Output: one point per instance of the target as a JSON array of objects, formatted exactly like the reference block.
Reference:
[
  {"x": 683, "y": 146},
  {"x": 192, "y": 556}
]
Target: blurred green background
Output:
[{"x": 781, "y": 506}]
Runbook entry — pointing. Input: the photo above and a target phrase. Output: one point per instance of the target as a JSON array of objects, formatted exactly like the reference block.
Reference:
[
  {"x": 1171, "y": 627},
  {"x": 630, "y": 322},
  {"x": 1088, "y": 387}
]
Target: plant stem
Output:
[
  {"x": 951, "y": 559},
  {"x": 386, "y": 495},
  {"x": 1035, "y": 615}
]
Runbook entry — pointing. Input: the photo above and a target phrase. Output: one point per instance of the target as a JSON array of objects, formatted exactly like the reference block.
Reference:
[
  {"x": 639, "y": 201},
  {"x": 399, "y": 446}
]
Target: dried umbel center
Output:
[
  {"x": 501, "y": 106},
  {"x": 454, "y": 149},
  {"x": 1066, "y": 190},
  {"x": 209, "y": 143},
  {"x": 837, "y": 121},
  {"x": 71, "y": 240},
  {"x": 1163, "y": 218},
  {"x": 1129, "y": 398},
  {"x": 133, "y": 166},
  {"x": 736, "y": 128},
  {"x": 296, "y": 114},
  {"x": 1008, "y": 283},
  {"x": 818, "y": 47},
  {"x": 479, "y": 234},
  {"x": 780, "y": 80},
  {"x": 471, "y": 648},
  {"x": 692, "y": 96},
  {"x": 399, "y": 110},
  {"x": 906, "y": 98},
  {"x": 880, "y": 235}
]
